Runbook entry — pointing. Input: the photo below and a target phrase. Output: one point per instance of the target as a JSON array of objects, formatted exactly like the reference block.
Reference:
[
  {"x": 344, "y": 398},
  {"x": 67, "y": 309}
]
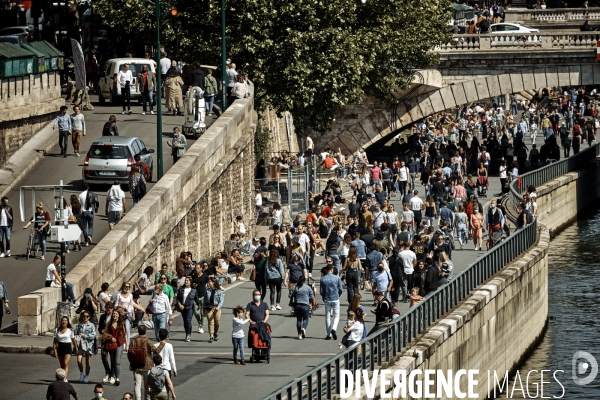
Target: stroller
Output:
[
  {"x": 495, "y": 238},
  {"x": 261, "y": 349},
  {"x": 482, "y": 186}
]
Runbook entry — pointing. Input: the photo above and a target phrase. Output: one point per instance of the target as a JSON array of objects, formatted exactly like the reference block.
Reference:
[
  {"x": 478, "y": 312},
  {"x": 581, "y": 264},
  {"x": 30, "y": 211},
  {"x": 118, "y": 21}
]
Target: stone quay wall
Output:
[
  {"x": 191, "y": 208},
  {"x": 27, "y": 104}
]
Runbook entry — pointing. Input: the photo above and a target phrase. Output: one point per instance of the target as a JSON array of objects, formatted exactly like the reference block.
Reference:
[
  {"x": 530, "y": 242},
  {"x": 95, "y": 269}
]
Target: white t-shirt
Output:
[
  {"x": 115, "y": 198},
  {"x": 66, "y": 337},
  {"x": 125, "y": 76},
  {"x": 126, "y": 303},
  {"x": 277, "y": 214},
  {"x": 502, "y": 172},
  {"x": 403, "y": 174},
  {"x": 258, "y": 199},
  {"x": 102, "y": 302},
  {"x": 309, "y": 143},
  {"x": 242, "y": 227},
  {"x": 408, "y": 257},
  {"x": 84, "y": 205},
  {"x": 392, "y": 218},
  {"x": 3, "y": 217},
  {"x": 304, "y": 241},
  {"x": 165, "y": 64},
  {"x": 168, "y": 357},
  {"x": 186, "y": 292},
  {"x": 378, "y": 218},
  {"x": 416, "y": 203},
  {"x": 49, "y": 274}
]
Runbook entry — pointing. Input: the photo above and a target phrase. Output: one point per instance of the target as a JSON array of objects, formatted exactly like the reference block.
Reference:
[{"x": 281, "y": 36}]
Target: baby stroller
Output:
[
  {"x": 482, "y": 186},
  {"x": 495, "y": 238},
  {"x": 261, "y": 348}
]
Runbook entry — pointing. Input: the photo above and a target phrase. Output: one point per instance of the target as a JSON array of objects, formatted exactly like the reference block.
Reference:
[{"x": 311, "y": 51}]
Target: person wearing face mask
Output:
[
  {"x": 85, "y": 335},
  {"x": 495, "y": 218},
  {"x": 257, "y": 310},
  {"x": 178, "y": 144},
  {"x": 477, "y": 228},
  {"x": 90, "y": 304},
  {"x": 99, "y": 392}
]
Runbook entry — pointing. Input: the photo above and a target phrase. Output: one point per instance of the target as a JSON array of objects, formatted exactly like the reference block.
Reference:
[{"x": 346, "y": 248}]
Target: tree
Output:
[{"x": 308, "y": 57}]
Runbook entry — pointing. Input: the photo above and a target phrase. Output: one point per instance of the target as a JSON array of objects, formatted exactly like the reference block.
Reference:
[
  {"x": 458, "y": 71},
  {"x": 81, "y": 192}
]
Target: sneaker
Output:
[
  {"x": 68, "y": 251},
  {"x": 77, "y": 154},
  {"x": 123, "y": 112},
  {"x": 152, "y": 112},
  {"x": 272, "y": 307},
  {"x": 210, "y": 340},
  {"x": 8, "y": 253},
  {"x": 327, "y": 337},
  {"x": 278, "y": 307},
  {"x": 81, "y": 376},
  {"x": 300, "y": 337},
  {"x": 241, "y": 278},
  {"x": 130, "y": 112},
  {"x": 2, "y": 255},
  {"x": 233, "y": 279},
  {"x": 87, "y": 242},
  {"x": 143, "y": 112},
  {"x": 200, "y": 330},
  {"x": 86, "y": 379},
  {"x": 112, "y": 378},
  {"x": 216, "y": 337},
  {"x": 187, "y": 338},
  {"x": 106, "y": 378},
  {"x": 334, "y": 334},
  {"x": 117, "y": 383},
  {"x": 303, "y": 333}
]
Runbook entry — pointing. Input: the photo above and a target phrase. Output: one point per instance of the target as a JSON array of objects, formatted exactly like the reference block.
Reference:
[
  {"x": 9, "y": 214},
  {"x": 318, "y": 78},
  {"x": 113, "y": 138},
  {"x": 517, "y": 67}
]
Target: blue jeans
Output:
[
  {"x": 209, "y": 99},
  {"x": 302, "y": 314},
  {"x": 160, "y": 322},
  {"x": 88, "y": 224},
  {"x": 336, "y": 261},
  {"x": 41, "y": 237},
  {"x": 147, "y": 97},
  {"x": 335, "y": 306},
  {"x": 4, "y": 231},
  {"x": 238, "y": 344},
  {"x": 187, "y": 315}
]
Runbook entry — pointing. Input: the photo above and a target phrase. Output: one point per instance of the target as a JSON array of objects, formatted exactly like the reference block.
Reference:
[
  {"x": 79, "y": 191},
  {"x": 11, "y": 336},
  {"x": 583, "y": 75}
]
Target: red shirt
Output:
[
  {"x": 115, "y": 334},
  {"x": 327, "y": 211}
]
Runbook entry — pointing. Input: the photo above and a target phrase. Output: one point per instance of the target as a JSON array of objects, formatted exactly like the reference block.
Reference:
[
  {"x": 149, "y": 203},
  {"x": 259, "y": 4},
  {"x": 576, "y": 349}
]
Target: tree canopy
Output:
[{"x": 308, "y": 57}]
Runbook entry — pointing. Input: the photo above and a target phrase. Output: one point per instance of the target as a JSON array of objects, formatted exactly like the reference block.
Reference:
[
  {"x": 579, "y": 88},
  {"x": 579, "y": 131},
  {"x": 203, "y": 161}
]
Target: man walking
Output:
[
  {"x": 416, "y": 205},
  {"x": 89, "y": 206},
  {"x": 331, "y": 290},
  {"x": 78, "y": 125},
  {"x": 6, "y": 224},
  {"x": 146, "y": 84},
  {"x": 231, "y": 80},
  {"x": 63, "y": 122},
  {"x": 139, "y": 355},
  {"x": 165, "y": 64},
  {"x": 116, "y": 205}
]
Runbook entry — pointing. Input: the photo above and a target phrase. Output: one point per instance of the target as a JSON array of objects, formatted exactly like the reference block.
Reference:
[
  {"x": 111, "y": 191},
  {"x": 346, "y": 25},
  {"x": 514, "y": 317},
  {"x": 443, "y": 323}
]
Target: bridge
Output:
[{"x": 472, "y": 68}]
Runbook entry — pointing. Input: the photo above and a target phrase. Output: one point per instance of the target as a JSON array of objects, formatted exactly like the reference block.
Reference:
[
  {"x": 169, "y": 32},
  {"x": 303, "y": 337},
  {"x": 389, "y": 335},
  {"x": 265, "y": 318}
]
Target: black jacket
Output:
[
  {"x": 431, "y": 279},
  {"x": 196, "y": 78},
  {"x": 10, "y": 217}
]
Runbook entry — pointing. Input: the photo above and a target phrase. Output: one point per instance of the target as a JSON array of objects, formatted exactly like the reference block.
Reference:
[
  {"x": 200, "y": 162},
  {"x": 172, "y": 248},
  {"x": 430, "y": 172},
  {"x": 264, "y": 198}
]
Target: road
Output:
[
  {"x": 24, "y": 276},
  {"x": 199, "y": 361}
]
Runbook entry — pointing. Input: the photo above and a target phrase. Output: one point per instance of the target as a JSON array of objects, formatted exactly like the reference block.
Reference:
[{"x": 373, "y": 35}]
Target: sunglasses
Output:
[
  {"x": 163, "y": 279},
  {"x": 86, "y": 316}
]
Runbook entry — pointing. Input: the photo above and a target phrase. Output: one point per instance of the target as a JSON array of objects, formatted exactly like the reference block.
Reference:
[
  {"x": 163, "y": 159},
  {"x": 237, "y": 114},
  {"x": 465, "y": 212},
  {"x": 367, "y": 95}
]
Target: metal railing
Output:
[
  {"x": 540, "y": 176},
  {"x": 324, "y": 380}
]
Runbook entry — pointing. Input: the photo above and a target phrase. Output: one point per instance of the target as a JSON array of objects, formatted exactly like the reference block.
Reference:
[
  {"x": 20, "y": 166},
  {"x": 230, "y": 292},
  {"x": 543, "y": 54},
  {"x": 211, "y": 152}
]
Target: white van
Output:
[{"x": 109, "y": 90}]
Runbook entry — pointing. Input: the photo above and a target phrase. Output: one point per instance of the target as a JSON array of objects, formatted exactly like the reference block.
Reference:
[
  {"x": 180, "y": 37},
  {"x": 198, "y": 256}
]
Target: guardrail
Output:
[
  {"x": 522, "y": 41},
  {"x": 552, "y": 15},
  {"x": 324, "y": 380},
  {"x": 542, "y": 175}
]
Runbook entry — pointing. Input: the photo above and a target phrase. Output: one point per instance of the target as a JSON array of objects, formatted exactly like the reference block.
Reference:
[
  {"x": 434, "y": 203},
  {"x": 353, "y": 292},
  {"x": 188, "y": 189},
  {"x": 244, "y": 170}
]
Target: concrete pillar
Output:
[{"x": 507, "y": 101}]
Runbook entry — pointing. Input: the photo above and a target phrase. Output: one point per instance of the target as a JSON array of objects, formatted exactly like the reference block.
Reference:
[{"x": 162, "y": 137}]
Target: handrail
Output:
[
  {"x": 547, "y": 173},
  {"x": 324, "y": 380}
]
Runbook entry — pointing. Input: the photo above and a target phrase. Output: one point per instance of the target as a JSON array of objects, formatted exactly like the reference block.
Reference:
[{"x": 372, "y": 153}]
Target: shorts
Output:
[
  {"x": 114, "y": 217},
  {"x": 63, "y": 349}
]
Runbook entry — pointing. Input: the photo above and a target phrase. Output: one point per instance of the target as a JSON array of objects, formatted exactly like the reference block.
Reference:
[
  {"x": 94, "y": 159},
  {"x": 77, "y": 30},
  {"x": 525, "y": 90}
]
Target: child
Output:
[
  {"x": 237, "y": 335},
  {"x": 414, "y": 296},
  {"x": 349, "y": 323},
  {"x": 240, "y": 228}
]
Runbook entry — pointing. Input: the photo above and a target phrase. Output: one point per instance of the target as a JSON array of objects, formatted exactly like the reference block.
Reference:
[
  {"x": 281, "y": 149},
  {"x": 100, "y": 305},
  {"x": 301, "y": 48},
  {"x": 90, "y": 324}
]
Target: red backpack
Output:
[{"x": 469, "y": 208}]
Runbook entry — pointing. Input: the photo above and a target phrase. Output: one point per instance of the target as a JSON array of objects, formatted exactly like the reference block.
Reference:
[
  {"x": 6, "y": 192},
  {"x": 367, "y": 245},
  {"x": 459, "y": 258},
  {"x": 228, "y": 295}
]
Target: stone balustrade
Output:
[
  {"x": 522, "y": 41},
  {"x": 553, "y": 15}
]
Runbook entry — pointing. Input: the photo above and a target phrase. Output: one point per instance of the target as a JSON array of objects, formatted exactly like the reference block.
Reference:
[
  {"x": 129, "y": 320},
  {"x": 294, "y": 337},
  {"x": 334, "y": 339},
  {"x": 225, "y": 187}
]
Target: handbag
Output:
[
  {"x": 55, "y": 284},
  {"x": 368, "y": 286},
  {"x": 108, "y": 344},
  {"x": 253, "y": 274},
  {"x": 293, "y": 299},
  {"x": 72, "y": 219}
]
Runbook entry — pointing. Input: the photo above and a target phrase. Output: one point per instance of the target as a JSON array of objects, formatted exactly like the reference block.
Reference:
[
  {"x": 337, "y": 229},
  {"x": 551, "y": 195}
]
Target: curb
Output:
[{"x": 25, "y": 349}]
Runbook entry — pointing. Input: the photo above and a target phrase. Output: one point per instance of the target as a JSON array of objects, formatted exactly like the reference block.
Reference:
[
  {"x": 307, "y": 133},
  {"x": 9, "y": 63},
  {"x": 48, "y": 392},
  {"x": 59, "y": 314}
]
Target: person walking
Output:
[
  {"x": 274, "y": 273},
  {"x": 6, "y": 224},
  {"x": 113, "y": 341},
  {"x": 139, "y": 355},
  {"x": 3, "y": 301},
  {"x": 159, "y": 381},
  {"x": 78, "y": 129},
  {"x": 331, "y": 290},
  {"x": 196, "y": 78},
  {"x": 165, "y": 350},
  {"x": 477, "y": 228},
  {"x": 186, "y": 298},
  {"x": 116, "y": 205},
  {"x": 89, "y": 205},
  {"x": 61, "y": 389},
  {"x": 173, "y": 95},
  {"x": 212, "y": 308},
  {"x": 302, "y": 297},
  {"x": 178, "y": 144},
  {"x": 85, "y": 336},
  {"x": 161, "y": 310},
  {"x": 231, "y": 80},
  {"x": 110, "y": 127},
  {"x": 237, "y": 334},
  {"x": 352, "y": 268},
  {"x": 165, "y": 64},
  {"x": 65, "y": 127},
  {"x": 125, "y": 79},
  {"x": 146, "y": 84},
  {"x": 77, "y": 213},
  {"x": 382, "y": 310},
  {"x": 210, "y": 91},
  {"x": 137, "y": 185},
  {"x": 64, "y": 343}
]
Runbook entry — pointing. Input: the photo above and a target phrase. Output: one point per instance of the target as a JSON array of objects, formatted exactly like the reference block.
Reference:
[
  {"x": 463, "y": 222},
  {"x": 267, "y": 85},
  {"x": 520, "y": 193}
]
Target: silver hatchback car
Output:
[{"x": 111, "y": 157}]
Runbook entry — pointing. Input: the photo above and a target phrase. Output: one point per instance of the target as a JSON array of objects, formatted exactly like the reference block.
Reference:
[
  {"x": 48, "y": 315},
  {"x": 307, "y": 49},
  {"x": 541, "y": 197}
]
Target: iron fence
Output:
[
  {"x": 540, "y": 176},
  {"x": 324, "y": 381}
]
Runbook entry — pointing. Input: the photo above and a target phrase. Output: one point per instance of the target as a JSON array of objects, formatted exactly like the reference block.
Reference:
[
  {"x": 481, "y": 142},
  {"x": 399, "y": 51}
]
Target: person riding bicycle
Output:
[{"x": 495, "y": 218}]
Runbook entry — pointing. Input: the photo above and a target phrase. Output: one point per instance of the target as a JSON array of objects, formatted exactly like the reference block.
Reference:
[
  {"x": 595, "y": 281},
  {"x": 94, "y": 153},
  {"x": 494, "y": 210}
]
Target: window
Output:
[
  {"x": 135, "y": 68},
  {"x": 511, "y": 28},
  {"x": 497, "y": 28},
  {"x": 135, "y": 147},
  {"x": 143, "y": 149},
  {"x": 109, "y": 152}
]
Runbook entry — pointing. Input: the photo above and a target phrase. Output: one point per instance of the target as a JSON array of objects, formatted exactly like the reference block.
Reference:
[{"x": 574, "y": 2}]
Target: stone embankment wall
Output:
[
  {"x": 191, "y": 208},
  {"x": 282, "y": 133},
  {"x": 27, "y": 104}
]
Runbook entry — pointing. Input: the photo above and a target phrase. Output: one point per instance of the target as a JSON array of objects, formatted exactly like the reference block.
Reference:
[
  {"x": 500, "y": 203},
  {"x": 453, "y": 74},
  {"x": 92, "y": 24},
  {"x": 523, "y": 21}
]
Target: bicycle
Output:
[{"x": 32, "y": 244}]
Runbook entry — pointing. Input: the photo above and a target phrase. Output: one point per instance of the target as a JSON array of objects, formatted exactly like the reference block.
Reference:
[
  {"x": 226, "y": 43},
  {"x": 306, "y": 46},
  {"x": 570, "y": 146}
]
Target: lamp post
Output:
[
  {"x": 159, "y": 167},
  {"x": 223, "y": 56}
]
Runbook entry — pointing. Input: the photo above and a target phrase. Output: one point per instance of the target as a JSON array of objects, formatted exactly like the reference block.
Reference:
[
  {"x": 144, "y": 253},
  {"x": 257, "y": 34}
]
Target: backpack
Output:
[
  {"x": 92, "y": 200},
  {"x": 567, "y": 142},
  {"x": 296, "y": 272},
  {"x": 141, "y": 187},
  {"x": 483, "y": 156},
  {"x": 137, "y": 354},
  {"x": 157, "y": 379},
  {"x": 529, "y": 217}
]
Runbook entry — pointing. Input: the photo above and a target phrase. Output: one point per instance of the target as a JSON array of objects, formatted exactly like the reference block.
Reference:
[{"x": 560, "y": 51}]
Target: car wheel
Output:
[{"x": 101, "y": 98}]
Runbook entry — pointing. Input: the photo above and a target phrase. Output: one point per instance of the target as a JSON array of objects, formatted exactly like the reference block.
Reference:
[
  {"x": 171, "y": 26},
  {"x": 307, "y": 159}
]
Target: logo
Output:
[{"x": 581, "y": 367}]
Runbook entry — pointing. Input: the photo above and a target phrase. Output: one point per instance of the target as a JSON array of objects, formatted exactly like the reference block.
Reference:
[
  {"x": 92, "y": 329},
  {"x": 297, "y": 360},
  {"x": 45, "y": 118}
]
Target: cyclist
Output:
[{"x": 41, "y": 221}]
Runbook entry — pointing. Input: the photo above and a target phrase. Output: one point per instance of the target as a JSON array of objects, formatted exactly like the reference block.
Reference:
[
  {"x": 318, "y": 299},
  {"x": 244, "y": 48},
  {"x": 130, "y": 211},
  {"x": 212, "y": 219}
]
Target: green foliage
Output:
[
  {"x": 261, "y": 140},
  {"x": 309, "y": 57}
]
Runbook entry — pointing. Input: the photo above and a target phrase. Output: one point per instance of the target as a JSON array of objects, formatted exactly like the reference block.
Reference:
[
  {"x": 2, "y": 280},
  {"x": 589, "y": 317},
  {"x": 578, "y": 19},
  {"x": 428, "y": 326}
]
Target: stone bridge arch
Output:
[{"x": 373, "y": 121}]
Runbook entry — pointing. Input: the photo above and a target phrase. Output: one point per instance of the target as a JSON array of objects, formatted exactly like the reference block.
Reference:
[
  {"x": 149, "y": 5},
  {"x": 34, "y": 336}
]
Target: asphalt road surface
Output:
[{"x": 23, "y": 276}]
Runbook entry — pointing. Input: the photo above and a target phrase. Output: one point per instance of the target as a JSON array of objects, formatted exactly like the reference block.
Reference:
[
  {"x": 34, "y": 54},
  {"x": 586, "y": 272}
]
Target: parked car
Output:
[
  {"x": 20, "y": 31},
  {"x": 109, "y": 90},
  {"x": 11, "y": 39},
  {"x": 512, "y": 28},
  {"x": 111, "y": 157}
]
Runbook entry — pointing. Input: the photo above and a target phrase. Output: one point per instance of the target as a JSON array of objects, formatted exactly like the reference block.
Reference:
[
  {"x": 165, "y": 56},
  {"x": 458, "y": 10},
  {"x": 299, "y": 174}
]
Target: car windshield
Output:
[
  {"x": 109, "y": 152},
  {"x": 135, "y": 68}
]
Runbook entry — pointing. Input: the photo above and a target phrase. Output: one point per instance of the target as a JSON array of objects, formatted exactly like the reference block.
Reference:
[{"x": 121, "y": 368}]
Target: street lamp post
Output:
[
  {"x": 223, "y": 56},
  {"x": 159, "y": 168}
]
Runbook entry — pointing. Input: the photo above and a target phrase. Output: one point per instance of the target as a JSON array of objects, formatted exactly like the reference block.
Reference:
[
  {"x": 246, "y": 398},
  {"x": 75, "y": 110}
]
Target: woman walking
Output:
[
  {"x": 89, "y": 304},
  {"x": 476, "y": 228},
  {"x": 352, "y": 267},
  {"x": 302, "y": 297},
  {"x": 260, "y": 280},
  {"x": 64, "y": 343},
  {"x": 173, "y": 95},
  {"x": 124, "y": 300},
  {"x": 274, "y": 273},
  {"x": 102, "y": 325},
  {"x": 113, "y": 340},
  {"x": 186, "y": 297},
  {"x": 85, "y": 335},
  {"x": 212, "y": 308}
]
